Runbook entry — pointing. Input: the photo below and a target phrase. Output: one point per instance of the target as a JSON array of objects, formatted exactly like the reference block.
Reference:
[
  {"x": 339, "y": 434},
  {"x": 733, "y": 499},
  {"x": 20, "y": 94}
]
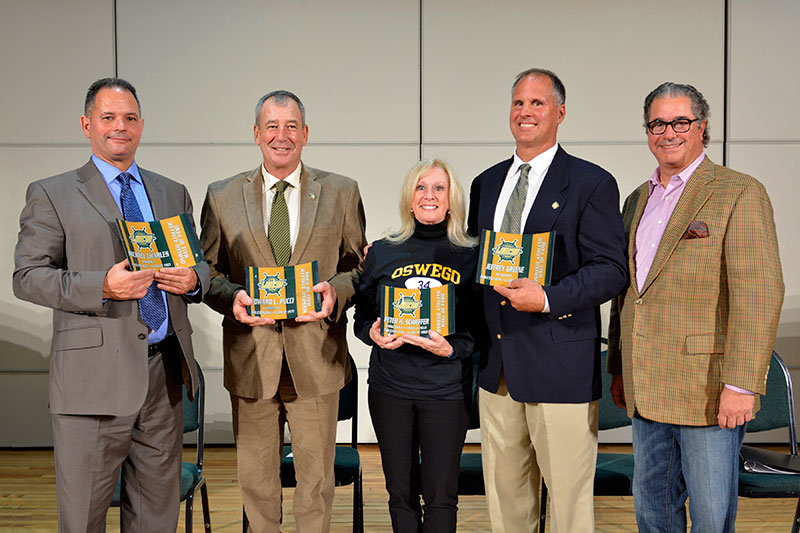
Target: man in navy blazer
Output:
[{"x": 540, "y": 374}]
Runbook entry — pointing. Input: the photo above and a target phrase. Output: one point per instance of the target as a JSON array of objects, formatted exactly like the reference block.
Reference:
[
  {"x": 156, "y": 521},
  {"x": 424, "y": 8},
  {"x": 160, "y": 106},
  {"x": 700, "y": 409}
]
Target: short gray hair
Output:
[
  {"x": 559, "y": 91},
  {"x": 281, "y": 98},
  {"x": 674, "y": 90}
]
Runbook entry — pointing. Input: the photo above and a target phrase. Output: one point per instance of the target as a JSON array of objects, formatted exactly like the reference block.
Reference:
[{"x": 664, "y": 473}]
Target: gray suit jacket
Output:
[
  {"x": 233, "y": 237},
  {"x": 68, "y": 240}
]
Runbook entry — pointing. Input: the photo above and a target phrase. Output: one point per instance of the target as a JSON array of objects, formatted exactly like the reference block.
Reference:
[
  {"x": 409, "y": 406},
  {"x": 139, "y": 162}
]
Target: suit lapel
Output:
[
  {"x": 692, "y": 199},
  {"x": 490, "y": 193},
  {"x": 309, "y": 203},
  {"x": 92, "y": 185},
  {"x": 550, "y": 202},
  {"x": 156, "y": 194},
  {"x": 253, "y": 194},
  {"x": 641, "y": 196}
]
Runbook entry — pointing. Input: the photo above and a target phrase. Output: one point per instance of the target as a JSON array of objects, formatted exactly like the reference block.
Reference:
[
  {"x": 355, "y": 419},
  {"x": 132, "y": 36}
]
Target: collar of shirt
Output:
[
  {"x": 678, "y": 179},
  {"x": 110, "y": 172},
  {"x": 539, "y": 164},
  {"x": 292, "y": 179}
]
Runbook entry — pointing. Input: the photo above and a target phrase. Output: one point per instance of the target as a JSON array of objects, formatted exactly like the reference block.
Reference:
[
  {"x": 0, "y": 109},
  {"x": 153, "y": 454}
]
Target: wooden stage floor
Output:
[{"x": 28, "y": 501}]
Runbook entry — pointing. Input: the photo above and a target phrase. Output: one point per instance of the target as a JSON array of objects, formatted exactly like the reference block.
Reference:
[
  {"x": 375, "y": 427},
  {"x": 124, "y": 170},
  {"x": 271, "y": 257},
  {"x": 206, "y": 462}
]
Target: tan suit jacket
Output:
[
  {"x": 68, "y": 240},
  {"x": 331, "y": 232},
  {"x": 708, "y": 312}
]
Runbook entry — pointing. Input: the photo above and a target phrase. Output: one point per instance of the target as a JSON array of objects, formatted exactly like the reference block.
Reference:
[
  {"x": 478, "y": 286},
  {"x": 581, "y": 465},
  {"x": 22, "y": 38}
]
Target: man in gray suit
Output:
[
  {"x": 121, "y": 339},
  {"x": 284, "y": 212}
]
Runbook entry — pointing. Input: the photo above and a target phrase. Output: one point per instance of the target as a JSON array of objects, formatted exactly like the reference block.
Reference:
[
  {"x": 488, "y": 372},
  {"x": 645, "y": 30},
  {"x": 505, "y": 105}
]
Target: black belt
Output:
[{"x": 159, "y": 347}]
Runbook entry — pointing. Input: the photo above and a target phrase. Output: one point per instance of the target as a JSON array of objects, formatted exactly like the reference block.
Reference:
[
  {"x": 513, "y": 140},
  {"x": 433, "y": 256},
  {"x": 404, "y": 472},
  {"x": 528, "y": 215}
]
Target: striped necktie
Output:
[
  {"x": 151, "y": 305},
  {"x": 279, "y": 234},
  {"x": 512, "y": 219}
]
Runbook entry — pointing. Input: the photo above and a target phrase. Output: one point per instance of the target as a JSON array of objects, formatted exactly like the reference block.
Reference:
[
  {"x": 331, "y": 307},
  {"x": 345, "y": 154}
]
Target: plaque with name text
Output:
[
  {"x": 509, "y": 256},
  {"x": 417, "y": 311},
  {"x": 170, "y": 242},
  {"x": 283, "y": 292}
]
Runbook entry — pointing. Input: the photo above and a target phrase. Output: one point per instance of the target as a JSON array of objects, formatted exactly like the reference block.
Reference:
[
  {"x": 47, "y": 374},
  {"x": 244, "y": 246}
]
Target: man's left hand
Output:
[
  {"x": 735, "y": 408},
  {"x": 177, "y": 280},
  {"x": 524, "y": 295},
  {"x": 328, "y": 302}
]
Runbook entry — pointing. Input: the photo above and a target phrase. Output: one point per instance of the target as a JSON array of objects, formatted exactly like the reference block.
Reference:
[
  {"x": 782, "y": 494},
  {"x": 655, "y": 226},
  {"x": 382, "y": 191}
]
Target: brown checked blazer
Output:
[
  {"x": 708, "y": 312},
  {"x": 233, "y": 237},
  {"x": 68, "y": 240}
]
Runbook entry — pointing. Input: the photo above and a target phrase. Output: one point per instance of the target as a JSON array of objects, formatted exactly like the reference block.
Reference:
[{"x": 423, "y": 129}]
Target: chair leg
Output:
[
  {"x": 206, "y": 509},
  {"x": 358, "y": 505},
  {"x": 796, "y": 524},
  {"x": 189, "y": 508},
  {"x": 543, "y": 507}
]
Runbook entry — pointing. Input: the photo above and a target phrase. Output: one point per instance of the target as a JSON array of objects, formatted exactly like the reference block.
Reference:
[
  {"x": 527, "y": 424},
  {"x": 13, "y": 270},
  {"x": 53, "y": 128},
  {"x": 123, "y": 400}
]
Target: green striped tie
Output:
[
  {"x": 513, "y": 215},
  {"x": 279, "y": 234}
]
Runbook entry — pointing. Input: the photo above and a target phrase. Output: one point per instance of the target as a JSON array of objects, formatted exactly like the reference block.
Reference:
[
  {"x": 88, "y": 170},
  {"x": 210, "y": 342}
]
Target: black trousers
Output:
[{"x": 434, "y": 429}]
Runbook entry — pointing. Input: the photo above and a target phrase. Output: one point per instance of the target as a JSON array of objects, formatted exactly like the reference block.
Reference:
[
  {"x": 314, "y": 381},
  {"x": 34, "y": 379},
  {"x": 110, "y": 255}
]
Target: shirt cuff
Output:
[
  {"x": 546, "y": 308},
  {"x": 738, "y": 389}
]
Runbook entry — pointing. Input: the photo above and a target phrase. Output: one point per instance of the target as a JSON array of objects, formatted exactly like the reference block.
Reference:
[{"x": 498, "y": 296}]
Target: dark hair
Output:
[
  {"x": 559, "y": 92},
  {"x": 108, "y": 83},
  {"x": 281, "y": 98},
  {"x": 671, "y": 90}
]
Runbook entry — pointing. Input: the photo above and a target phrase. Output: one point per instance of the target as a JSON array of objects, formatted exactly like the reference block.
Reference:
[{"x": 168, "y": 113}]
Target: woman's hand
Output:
[
  {"x": 387, "y": 343},
  {"x": 436, "y": 344}
]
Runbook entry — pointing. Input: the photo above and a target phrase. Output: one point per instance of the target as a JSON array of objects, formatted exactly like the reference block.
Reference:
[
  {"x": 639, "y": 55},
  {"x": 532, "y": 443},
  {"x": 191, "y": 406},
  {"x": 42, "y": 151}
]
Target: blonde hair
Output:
[{"x": 456, "y": 215}]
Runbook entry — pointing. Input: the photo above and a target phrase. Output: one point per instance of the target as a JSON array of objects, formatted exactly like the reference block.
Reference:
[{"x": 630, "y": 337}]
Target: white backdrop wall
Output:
[{"x": 384, "y": 83}]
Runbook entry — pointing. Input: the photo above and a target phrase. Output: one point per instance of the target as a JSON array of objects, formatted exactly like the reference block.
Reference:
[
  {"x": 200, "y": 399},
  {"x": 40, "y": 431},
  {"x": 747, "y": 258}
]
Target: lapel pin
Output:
[
  {"x": 312, "y": 196},
  {"x": 554, "y": 205}
]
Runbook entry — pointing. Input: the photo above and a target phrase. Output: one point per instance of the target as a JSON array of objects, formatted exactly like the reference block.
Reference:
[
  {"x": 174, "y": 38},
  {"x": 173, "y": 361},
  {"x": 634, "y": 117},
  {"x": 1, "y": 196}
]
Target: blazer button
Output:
[
  {"x": 503, "y": 303},
  {"x": 639, "y": 302},
  {"x": 499, "y": 336},
  {"x": 142, "y": 336}
]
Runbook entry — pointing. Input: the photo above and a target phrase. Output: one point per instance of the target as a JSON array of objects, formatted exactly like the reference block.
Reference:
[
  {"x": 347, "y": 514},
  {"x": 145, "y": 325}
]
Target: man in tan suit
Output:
[
  {"x": 121, "y": 339},
  {"x": 289, "y": 370},
  {"x": 691, "y": 338}
]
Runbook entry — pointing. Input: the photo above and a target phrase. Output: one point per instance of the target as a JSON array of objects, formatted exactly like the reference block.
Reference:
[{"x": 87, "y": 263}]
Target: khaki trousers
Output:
[
  {"x": 258, "y": 430},
  {"x": 520, "y": 442}
]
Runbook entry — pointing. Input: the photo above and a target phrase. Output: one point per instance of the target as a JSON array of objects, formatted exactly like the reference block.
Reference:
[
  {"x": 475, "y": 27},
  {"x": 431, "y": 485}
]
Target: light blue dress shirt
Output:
[{"x": 110, "y": 174}]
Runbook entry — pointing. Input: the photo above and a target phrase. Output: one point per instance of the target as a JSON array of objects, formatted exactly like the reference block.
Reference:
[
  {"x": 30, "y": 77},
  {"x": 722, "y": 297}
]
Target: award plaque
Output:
[
  {"x": 283, "y": 292},
  {"x": 509, "y": 256},
  {"x": 417, "y": 311},
  {"x": 170, "y": 242}
]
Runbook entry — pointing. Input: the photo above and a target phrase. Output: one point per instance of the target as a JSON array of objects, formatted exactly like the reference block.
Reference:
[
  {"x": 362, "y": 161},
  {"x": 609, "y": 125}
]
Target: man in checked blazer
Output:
[
  {"x": 115, "y": 382},
  {"x": 289, "y": 370},
  {"x": 540, "y": 376},
  {"x": 690, "y": 339}
]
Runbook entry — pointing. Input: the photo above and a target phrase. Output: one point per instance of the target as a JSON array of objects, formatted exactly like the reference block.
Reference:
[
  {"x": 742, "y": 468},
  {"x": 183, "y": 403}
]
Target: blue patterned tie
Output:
[{"x": 151, "y": 305}]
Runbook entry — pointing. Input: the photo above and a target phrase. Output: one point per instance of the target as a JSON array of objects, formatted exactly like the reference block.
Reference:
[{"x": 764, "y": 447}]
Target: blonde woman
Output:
[{"x": 420, "y": 388}]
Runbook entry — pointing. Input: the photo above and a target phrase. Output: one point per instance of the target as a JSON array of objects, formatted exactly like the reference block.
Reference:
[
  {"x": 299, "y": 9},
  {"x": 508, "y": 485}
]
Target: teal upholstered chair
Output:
[
  {"x": 777, "y": 411},
  {"x": 191, "y": 473},
  {"x": 347, "y": 464}
]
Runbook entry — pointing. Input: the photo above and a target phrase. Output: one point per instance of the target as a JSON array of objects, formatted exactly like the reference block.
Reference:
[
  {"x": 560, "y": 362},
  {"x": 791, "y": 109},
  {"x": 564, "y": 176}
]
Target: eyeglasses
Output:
[{"x": 679, "y": 125}]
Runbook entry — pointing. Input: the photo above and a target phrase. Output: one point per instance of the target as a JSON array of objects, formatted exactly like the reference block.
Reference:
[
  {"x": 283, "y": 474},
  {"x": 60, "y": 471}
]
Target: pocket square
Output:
[{"x": 697, "y": 230}]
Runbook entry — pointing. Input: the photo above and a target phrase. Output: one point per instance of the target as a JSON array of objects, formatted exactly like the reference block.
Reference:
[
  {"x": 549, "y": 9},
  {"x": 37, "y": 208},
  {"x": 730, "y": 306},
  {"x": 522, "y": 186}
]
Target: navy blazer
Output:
[{"x": 555, "y": 357}]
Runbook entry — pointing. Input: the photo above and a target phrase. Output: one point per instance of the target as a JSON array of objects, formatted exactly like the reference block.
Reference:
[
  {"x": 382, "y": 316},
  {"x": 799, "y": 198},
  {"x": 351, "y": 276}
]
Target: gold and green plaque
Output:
[
  {"x": 509, "y": 256},
  {"x": 283, "y": 292},
  {"x": 417, "y": 311},
  {"x": 170, "y": 242}
]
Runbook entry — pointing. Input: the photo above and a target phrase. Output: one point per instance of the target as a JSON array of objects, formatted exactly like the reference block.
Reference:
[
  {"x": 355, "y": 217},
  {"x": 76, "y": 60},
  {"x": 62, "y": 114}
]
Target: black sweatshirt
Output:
[{"x": 409, "y": 371}]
